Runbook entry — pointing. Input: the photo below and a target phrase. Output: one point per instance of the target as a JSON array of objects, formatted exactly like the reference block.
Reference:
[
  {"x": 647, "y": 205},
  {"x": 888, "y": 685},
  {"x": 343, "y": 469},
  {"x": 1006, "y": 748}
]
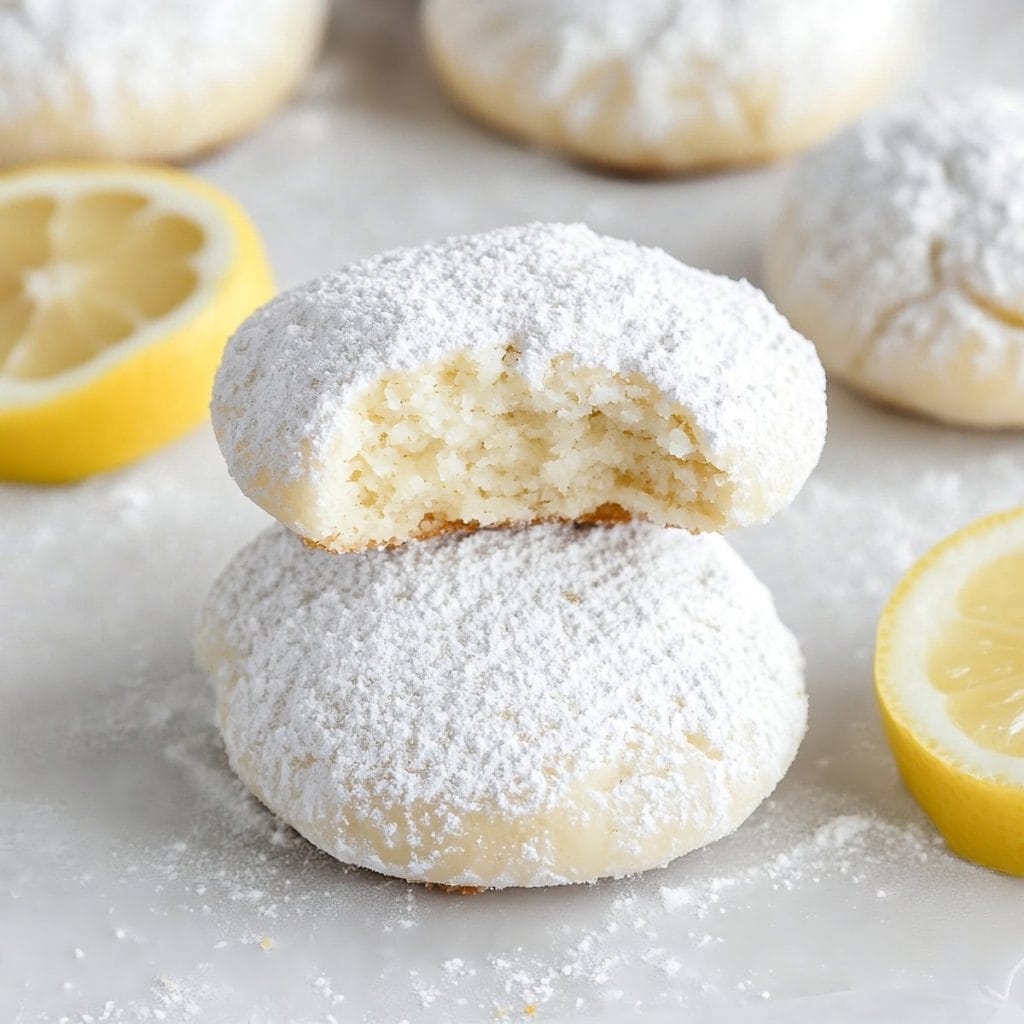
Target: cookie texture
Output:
[
  {"x": 526, "y": 374},
  {"x": 900, "y": 253},
  {"x": 661, "y": 86},
  {"x": 146, "y": 79},
  {"x": 505, "y": 708}
]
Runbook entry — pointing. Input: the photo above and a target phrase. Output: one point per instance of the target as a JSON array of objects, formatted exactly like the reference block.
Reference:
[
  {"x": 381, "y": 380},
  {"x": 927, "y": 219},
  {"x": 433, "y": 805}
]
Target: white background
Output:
[{"x": 136, "y": 879}]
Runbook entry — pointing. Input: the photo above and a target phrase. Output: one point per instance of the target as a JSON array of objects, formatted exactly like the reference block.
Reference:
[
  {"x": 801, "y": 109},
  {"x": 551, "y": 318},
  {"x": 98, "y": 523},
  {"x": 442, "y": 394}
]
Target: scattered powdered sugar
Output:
[
  {"x": 751, "y": 389},
  {"x": 638, "y": 927},
  {"x": 505, "y": 692},
  {"x": 101, "y": 59},
  {"x": 845, "y": 845},
  {"x": 911, "y": 226},
  {"x": 648, "y": 70},
  {"x": 170, "y": 1001},
  {"x": 456, "y": 967},
  {"x": 913, "y": 505}
]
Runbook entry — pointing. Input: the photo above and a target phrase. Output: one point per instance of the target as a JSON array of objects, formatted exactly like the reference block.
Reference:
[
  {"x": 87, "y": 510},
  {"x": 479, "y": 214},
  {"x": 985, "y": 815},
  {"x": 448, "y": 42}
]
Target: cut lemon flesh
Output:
[
  {"x": 119, "y": 286},
  {"x": 949, "y": 673}
]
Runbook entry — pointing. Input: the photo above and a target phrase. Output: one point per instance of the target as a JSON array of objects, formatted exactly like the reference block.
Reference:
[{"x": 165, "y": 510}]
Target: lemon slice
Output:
[
  {"x": 119, "y": 285},
  {"x": 949, "y": 671}
]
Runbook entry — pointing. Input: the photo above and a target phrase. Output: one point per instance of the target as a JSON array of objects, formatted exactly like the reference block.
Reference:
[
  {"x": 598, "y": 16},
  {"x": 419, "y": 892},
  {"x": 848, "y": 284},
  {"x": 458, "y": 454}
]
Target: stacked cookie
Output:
[{"x": 472, "y": 654}]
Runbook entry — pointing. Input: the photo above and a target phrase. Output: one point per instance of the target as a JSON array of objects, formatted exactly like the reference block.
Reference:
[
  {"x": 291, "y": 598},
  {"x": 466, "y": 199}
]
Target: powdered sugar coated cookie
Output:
[
  {"x": 527, "y": 374},
  {"x": 668, "y": 85},
  {"x": 505, "y": 708},
  {"x": 145, "y": 78},
  {"x": 900, "y": 252}
]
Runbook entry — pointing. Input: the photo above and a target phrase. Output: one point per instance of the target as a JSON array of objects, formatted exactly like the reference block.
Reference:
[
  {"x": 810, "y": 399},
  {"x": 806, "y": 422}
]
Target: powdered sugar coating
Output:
[
  {"x": 900, "y": 252},
  {"x": 668, "y": 82},
  {"x": 752, "y": 389},
  {"x": 106, "y": 64},
  {"x": 511, "y": 707}
]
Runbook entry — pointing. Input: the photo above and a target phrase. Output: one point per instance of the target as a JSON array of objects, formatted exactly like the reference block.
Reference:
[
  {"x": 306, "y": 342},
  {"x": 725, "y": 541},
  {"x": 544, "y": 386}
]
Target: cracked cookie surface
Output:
[{"x": 900, "y": 253}]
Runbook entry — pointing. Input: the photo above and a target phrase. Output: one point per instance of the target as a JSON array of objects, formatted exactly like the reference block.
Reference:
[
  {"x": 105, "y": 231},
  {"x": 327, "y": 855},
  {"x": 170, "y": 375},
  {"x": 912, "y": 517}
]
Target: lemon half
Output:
[
  {"x": 949, "y": 672},
  {"x": 119, "y": 286}
]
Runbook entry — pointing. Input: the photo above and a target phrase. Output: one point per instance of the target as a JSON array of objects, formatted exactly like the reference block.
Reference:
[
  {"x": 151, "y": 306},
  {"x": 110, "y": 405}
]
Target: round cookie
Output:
[
  {"x": 900, "y": 253},
  {"x": 527, "y": 374},
  {"x": 146, "y": 79},
  {"x": 656, "y": 86},
  {"x": 505, "y": 708}
]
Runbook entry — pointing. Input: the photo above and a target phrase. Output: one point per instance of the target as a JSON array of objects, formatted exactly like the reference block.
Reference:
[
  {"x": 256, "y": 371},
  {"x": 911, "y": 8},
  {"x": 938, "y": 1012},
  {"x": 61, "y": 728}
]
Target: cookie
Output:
[
  {"x": 146, "y": 79},
  {"x": 526, "y": 707},
  {"x": 662, "y": 86},
  {"x": 900, "y": 253},
  {"x": 527, "y": 374}
]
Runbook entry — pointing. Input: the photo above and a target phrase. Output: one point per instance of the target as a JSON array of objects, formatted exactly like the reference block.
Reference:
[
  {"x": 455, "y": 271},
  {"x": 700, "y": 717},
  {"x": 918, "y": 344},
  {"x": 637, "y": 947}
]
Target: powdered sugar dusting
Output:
[
  {"x": 906, "y": 235},
  {"x": 103, "y": 58},
  {"x": 452, "y": 689},
  {"x": 752, "y": 389},
  {"x": 751, "y": 67},
  {"x": 845, "y": 845}
]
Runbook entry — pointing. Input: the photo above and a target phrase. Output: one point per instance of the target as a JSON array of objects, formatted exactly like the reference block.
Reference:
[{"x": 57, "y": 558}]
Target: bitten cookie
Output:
[
  {"x": 900, "y": 252},
  {"x": 146, "y": 79},
  {"x": 668, "y": 85},
  {"x": 528, "y": 374},
  {"x": 505, "y": 708}
]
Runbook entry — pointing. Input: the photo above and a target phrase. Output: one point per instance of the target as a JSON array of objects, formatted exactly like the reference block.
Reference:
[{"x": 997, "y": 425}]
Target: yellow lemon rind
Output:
[
  {"x": 156, "y": 393},
  {"x": 981, "y": 818}
]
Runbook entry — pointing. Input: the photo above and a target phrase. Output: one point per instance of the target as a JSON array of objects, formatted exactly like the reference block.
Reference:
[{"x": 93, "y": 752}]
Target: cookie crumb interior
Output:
[{"x": 470, "y": 442}]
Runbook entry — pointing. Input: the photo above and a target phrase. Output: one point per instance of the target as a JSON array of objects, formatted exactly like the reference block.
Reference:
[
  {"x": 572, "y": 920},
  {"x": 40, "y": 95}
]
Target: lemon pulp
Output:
[
  {"x": 949, "y": 675},
  {"x": 978, "y": 662},
  {"x": 119, "y": 286},
  {"x": 80, "y": 274}
]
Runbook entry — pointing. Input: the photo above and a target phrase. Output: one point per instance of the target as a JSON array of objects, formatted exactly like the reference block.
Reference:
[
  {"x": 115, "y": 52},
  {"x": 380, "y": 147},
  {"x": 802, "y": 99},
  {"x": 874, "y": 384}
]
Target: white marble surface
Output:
[{"x": 136, "y": 880}]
